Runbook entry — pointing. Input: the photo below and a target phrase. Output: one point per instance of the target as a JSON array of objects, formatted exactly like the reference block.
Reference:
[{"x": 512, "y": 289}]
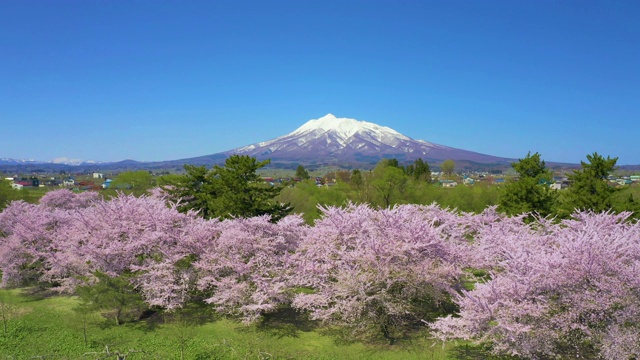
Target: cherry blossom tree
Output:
[
  {"x": 245, "y": 269},
  {"x": 566, "y": 290},
  {"x": 380, "y": 272}
]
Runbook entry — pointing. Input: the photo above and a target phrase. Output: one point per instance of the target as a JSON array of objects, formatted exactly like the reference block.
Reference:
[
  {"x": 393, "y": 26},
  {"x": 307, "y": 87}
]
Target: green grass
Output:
[{"x": 49, "y": 327}]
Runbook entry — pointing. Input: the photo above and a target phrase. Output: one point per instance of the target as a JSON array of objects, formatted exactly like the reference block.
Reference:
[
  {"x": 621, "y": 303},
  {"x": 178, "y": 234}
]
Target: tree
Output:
[
  {"x": 447, "y": 167},
  {"x": 376, "y": 273},
  {"x": 245, "y": 270},
  {"x": 229, "y": 191},
  {"x": 113, "y": 295},
  {"x": 356, "y": 179},
  {"x": 387, "y": 180},
  {"x": 192, "y": 191},
  {"x": 7, "y": 194},
  {"x": 419, "y": 170},
  {"x": 557, "y": 290},
  {"x": 589, "y": 189},
  {"x": 530, "y": 192},
  {"x": 302, "y": 173}
]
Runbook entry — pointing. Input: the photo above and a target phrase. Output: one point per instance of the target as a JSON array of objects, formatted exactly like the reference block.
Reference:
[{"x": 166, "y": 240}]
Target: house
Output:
[
  {"x": 53, "y": 182},
  {"x": 448, "y": 183},
  {"x": 19, "y": 185},
  {"x": 98, "y": 176},
  {"x": 559, "y": 184},
  {"x": 106, "y": 184},
  {"x": 69, "y": 181}
]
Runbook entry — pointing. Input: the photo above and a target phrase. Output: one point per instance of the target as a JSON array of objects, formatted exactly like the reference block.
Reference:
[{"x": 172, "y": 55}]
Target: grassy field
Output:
[{"x": 47, "y": 327}]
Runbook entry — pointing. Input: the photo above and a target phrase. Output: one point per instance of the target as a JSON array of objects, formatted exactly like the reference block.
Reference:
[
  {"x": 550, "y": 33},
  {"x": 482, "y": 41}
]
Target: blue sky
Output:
[{"x": 164, "y": 80}]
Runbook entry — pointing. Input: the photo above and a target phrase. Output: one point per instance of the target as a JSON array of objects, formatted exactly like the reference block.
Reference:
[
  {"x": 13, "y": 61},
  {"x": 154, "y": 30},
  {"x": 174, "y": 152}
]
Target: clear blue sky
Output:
[{"x": 165, "y": 80}]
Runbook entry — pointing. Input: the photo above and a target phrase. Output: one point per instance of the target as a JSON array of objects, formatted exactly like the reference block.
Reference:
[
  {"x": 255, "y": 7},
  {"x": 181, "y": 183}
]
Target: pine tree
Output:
[
  {"x": 302, "y": 173},
  {"x": 589, "y": 189},
  {"x": 229, "y": 191},
  {"x": 531, "y": 191}
]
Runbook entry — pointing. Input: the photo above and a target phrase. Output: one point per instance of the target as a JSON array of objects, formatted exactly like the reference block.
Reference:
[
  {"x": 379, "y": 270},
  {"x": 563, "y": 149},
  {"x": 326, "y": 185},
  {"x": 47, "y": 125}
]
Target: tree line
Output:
[{"x": 237, "y": 190}]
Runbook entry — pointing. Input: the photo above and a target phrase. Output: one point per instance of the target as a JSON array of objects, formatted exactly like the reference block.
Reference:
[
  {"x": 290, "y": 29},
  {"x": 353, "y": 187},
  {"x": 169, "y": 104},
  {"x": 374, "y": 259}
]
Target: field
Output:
[{"x": 43, "y": 326}]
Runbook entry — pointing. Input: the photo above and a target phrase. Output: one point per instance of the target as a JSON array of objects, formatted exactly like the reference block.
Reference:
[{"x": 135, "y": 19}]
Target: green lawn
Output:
[{"x": 47, "y": 327}]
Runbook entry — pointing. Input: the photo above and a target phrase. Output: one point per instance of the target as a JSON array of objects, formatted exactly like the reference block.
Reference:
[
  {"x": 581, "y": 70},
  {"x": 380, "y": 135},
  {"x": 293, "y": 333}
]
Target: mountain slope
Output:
[{"x": 341, "y": 140}]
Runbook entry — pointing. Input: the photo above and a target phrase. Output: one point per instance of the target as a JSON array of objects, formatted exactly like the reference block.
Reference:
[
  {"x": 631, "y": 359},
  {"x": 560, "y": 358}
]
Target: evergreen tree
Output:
[
  {"x": 232, "y": 190},
  {"x": 356, "y": 178},
  {"x": 589, "y": 189},
  {"x": 531, "y": 191},
  {"x": 419, "y": 170},
  {"x": 302, "y": 173}
]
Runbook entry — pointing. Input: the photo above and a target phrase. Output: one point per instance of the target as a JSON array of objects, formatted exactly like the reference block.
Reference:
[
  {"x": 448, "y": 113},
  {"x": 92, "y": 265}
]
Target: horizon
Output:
[{"x": 153, "y": 81}]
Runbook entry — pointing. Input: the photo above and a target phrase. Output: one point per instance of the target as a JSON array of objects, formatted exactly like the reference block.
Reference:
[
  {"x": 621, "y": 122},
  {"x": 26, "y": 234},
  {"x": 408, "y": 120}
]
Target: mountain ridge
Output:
[{"x": 328, "y": 140}]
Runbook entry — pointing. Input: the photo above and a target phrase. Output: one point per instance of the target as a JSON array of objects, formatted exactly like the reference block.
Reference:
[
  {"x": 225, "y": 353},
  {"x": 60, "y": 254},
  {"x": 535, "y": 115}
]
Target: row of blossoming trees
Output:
[{"x": 535, "y": 290}]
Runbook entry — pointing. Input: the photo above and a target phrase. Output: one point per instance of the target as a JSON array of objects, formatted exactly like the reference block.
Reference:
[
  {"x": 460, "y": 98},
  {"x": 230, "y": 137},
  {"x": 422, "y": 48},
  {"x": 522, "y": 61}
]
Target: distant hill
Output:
[{"x": 332, "y": 141}]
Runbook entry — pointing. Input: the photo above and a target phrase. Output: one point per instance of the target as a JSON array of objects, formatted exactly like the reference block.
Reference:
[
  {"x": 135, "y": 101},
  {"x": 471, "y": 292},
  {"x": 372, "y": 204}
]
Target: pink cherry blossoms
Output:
[{"x": 552, "y": 289}]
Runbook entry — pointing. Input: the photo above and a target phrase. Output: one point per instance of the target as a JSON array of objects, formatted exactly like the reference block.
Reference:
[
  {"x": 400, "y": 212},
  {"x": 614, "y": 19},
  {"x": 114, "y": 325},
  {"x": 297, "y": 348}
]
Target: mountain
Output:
[
  {"x": 332, "y": 140},
  {"x": 329, "y": 140}
]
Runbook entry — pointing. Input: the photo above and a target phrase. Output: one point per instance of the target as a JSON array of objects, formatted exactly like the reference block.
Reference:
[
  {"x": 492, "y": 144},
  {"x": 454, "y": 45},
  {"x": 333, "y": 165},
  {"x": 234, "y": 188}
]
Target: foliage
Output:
[
  {"x": 378, "y": 273},
  {"x": 567, "y": 290},
  {"x": 356, "y": 178},
  {"x": 539, "y": 289},
  {"x": 419, "y": 170},
  {"x": 114, "y": 296},
  {"x": 138, "y": 182},
  {"x": 193, "y": 190},
  {"x": 387, "y": 180},
  {"x": 245, "y": 269},
  {"x": 302, "y": 173},
  {"x": 589, "y": 189},
  {"x": 530, "y": 192},
  {"x": 447, "y": 167},
  {"x": 235, "y": 190},
  {"x": 7, "y": 194}
]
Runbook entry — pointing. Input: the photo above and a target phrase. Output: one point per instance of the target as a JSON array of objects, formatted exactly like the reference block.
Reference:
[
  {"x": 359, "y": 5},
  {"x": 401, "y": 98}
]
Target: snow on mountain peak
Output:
[{"x": 345, "y": 127}]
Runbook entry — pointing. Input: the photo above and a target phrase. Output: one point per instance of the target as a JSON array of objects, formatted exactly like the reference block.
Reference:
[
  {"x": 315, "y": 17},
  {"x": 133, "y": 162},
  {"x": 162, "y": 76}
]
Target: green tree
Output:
[
  {"x": 589, "y": 189},
  {"x": 302, "y": 173},
  {"x": 114, "y": 296},
  {"x": 194, "y": 190},
  {"x": 419, "y": 170},
  {"x": 388, "y": 181},
  {"x": 447, "y": 167},
  {"x": 391, "y": 162},
  {"x": 356, "y": 179},
  {"x": 232, "y": 190},
  {"x": 7, "y": 194},
  {"x": 531, "y": 191}
]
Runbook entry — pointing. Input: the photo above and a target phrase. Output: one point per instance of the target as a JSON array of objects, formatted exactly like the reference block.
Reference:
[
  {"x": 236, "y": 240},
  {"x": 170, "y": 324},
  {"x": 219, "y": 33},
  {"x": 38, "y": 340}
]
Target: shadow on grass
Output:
[
  {"x": 38, "y": 292},
  {"x": 286, "y": 322},
  {"x": 474, "y": 352}
]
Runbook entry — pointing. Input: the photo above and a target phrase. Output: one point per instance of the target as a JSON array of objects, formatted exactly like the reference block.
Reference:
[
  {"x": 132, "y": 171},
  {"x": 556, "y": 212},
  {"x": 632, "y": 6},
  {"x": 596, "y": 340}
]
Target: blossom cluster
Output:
[{"x": 531, "y": 289}]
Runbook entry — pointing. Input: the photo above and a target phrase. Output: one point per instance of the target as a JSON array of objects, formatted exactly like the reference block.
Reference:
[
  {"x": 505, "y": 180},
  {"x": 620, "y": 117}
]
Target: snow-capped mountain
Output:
[
  {"x": 18, "y": 161},
  {"x": 58, "y": 161},
  {"x": 341, "y": 140}
]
